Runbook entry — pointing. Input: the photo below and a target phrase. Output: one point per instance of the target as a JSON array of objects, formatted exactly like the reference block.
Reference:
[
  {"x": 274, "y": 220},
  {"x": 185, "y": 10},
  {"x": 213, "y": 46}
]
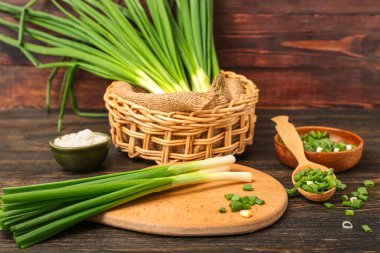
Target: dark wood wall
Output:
[{"x": 300, "y": 53}]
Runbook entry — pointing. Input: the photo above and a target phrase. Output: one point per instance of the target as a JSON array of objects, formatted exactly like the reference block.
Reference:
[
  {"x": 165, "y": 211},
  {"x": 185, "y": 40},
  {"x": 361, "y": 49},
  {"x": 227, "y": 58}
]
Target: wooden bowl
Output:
[{"x": 339, "y": 161}]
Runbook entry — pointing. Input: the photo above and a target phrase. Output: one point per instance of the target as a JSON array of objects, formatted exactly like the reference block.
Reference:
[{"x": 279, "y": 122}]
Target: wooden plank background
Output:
[{"x": 300, "y": 53}]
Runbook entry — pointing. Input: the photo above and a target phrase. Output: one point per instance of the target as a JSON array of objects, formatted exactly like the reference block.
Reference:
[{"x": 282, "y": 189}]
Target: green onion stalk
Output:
[
  {"x": 149, "y": 47},
  {"x": 36, "y": 212}
]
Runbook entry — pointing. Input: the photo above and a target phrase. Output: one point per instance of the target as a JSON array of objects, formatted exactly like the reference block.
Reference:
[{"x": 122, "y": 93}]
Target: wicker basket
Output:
[{"x": 167, "y": 137}]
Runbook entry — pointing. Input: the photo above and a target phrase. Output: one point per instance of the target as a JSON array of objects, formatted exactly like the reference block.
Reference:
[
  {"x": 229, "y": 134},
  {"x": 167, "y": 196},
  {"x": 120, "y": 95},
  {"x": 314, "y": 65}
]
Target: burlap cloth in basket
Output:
[{"x": 222, "y": 91}]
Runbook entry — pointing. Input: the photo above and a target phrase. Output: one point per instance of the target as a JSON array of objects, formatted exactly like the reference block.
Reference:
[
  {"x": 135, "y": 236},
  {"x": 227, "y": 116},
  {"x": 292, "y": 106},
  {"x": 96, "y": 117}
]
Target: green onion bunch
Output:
[
  {"x": 36, "y": 212},
  {"x": 167, "y": 47}
]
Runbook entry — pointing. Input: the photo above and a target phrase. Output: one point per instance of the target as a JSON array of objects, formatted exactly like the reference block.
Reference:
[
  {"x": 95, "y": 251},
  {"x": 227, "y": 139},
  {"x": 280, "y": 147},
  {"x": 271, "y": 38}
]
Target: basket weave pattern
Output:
[{"x": 178, "y": 136}]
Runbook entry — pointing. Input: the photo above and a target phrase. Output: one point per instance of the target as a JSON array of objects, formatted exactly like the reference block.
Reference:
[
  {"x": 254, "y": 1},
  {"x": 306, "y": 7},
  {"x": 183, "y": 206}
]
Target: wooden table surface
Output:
[{"x": 25, "y": 158}]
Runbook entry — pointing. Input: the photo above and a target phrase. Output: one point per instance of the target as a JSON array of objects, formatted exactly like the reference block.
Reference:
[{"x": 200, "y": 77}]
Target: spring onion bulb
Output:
[{"x": 37, "y": 212}]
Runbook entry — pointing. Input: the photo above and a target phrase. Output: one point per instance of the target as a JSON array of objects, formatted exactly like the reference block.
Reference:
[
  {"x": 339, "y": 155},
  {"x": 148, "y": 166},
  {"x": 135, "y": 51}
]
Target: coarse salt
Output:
[{"x": 82, "y": 138}]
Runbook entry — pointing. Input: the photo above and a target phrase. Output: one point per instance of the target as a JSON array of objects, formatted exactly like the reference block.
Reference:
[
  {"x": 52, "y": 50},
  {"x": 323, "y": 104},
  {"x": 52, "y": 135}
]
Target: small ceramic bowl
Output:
[
  {"x": 339, "y": 161},
  {"x": 81, "y": 159}
]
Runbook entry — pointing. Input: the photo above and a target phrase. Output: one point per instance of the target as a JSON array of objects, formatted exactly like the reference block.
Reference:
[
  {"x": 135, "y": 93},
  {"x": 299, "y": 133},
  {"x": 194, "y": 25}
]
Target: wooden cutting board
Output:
[{"x": 193, "y": 210}]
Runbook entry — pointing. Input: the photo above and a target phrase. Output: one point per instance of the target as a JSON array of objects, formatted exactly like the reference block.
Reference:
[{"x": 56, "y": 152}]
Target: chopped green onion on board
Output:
[
  {"x": 236, "y": 206},
  {"x": 228, "y": 196},
  {"x": 235, "y": 197},
  {"x": 238, "y": 203},
  {"x": 222, "y": 210},
  {"x": 246, "y": 206},
  {"x": 247, "y": 187},
  {"x": 252, "y": 200},
  {"x": 244, "y": 199},
  {"x": 259, "y": 201}
]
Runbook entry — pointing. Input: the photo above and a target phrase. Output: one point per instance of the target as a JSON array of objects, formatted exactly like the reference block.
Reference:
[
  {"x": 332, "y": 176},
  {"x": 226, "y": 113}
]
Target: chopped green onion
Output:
[
  {"x": 362, "y": 191},
  {"x": 368, "y": 183},
  {"x": 247, "y": 187},
  {"x": 236, "y": 206},
  {"x": 291, "y": 192},
  {"x": 246, "y": 206},
  {"x": 356, "y": 203},
  {"x": 252, "y": 200},
  {"x": 320, "y": 142},
  {"x": 297, "y": 177},
  {"x": 366, "y": 229},
  {"x": 222, "y": 210},
  {"x": 349, "y": 212},
  {"x": 244, "y": 200},
  {"x": 235, "y": 197},
  {"x": 340, "y": 186},
  {"x": 329, "y": 205},
  {"x": 363, "y": 197},
  {"x": 345, "y": 198},
  {"x": 259, "y": 201},
  {"x": 228, "y": 196},
  {"x": 315, "y": 181},
  {"x": 347, "y": 203},
  {"x": 354, "y": 194}
]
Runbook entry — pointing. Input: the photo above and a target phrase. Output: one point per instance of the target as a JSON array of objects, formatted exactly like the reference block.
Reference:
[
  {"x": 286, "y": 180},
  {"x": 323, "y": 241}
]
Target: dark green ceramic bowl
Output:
[{"x": 81, "y": 159}]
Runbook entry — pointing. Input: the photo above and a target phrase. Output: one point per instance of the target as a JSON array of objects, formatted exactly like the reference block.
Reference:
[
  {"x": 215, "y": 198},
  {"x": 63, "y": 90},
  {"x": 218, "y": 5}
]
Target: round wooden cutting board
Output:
[{"x": 193, "y": 210}]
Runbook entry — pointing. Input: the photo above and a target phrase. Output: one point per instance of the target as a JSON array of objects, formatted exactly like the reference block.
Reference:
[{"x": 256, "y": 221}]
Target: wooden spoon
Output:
[{"x": 293, "y": 142}]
